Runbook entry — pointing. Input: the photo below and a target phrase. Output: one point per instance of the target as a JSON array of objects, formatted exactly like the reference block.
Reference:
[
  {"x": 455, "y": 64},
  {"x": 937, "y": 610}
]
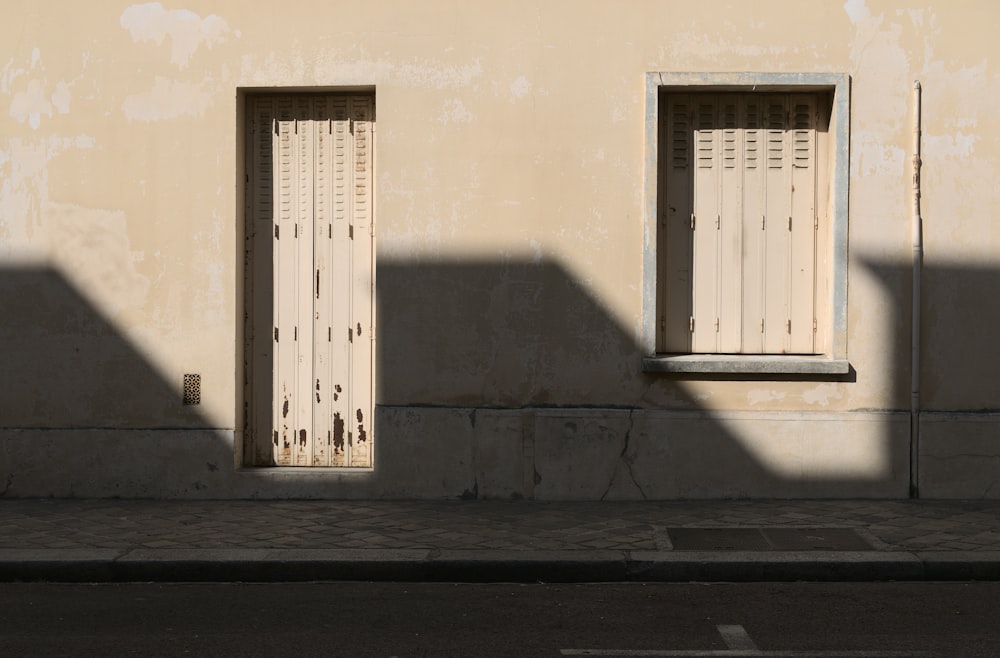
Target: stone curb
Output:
[{"x": 419, "y": 565}]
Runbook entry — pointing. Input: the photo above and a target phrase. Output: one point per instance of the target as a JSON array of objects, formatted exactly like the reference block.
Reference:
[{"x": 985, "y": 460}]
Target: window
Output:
[
  {"x": 309, "y": 279},
  {"x": 746, "y": 217}
]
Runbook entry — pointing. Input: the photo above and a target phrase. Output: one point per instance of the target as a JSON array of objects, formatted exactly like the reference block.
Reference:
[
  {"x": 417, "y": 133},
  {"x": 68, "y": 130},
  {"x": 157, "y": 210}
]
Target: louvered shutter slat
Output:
[
  {"x": 676, "y": 224},
  {"x": 705, "y": 260},
  {"x": 777, "y": 248},
  {"x": 362, "y": 283},
  {"x": 285, "y": 287},
  {"x": 803, "y": 234},
  {"x": 730, "y": 228},
  {"x": 754, "y": 210}
]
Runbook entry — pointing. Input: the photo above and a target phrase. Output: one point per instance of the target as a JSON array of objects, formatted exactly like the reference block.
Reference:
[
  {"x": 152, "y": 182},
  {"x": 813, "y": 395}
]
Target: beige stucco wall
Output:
[{"x": 508, "y": 195}]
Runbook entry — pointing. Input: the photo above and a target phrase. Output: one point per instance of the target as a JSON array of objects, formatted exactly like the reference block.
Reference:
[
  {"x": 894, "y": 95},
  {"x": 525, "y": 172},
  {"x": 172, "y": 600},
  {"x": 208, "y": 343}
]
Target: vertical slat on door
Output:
[
  {"x": 803, "y": 230},
  {"x": 777, "y": 235},
  {"x": 304, "y": 275},
  {"x": 731, "y": 225},
  {"x": 753, "y": 227},
  {"x": 285, "y": 284},
  {"x": 261, "y": 281},
  {"x": 322, "y": 291},
  {"x": 675, "y": 210},
  {"x": 361, "y": 290},
  {"x": 705, "y": 262},
  {"x": 340, "y": 281}
]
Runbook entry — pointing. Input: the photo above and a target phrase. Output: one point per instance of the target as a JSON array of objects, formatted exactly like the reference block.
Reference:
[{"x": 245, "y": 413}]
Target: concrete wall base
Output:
[
  {"x": 536, "y": 453},
  {"x": 960, "y": 455}
]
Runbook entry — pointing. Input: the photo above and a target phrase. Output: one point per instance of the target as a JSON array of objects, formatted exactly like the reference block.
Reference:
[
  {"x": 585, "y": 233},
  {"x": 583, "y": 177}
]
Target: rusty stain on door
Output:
[{"x": 310, "y": 173}]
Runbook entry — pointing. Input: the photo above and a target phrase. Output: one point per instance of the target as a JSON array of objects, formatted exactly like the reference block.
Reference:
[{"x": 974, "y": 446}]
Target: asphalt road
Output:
[{"x": 406, "y": 620}]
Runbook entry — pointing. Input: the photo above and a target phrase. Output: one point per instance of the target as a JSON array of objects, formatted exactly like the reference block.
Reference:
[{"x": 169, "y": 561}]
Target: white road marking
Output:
[
  {"x": 736, "y": 638},
  {"x": 740, "y": 644}
]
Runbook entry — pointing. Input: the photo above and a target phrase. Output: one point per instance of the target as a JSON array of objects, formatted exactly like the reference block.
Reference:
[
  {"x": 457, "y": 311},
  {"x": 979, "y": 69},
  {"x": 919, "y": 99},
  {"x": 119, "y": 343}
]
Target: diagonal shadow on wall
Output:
[
  {"x": 82, "y": 411},
  {"x": 556, "y": 387},
  {"x": 959, "y": 391},
  {"x": 495, "y": 379}
]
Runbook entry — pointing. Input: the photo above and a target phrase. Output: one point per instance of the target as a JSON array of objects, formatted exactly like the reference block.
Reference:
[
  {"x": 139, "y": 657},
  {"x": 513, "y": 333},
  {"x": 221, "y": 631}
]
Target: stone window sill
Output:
[{"x": 735, "y": 364}]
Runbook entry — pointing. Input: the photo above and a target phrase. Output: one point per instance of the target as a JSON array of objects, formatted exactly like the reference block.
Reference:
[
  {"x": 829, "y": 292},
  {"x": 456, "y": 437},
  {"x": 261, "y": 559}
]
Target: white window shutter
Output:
[
  {"x": 675, "y": 223},
  {"x": 754, "y": 225},
  {"x": 740, "y": 176},
  {"x": 777, "y": 211},
  {"x": 730, "y": 303},
  {"x": 802, "y": 311},
  {"x": 705, "y": 242}
]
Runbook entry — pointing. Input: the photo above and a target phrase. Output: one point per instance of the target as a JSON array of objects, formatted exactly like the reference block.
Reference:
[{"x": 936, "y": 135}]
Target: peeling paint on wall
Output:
[
  {"x": 822, "y": 395},
  {"x": 759, "y": 396},
  {"x": 31, "y": 104},
  {"x": 873, "y": 157},
  {"x": 455, "y": 112},
  {"x": 519, "y": 88},
  {"x": 34, "y": 100},
  {"x": 24, "y": 192},
  {"x": 187, "y": 30}
]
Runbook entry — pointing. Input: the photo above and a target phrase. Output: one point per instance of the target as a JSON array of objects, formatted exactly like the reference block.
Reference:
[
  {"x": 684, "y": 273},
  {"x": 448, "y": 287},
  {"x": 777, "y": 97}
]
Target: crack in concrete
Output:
[{"x": 625, "y": 460}]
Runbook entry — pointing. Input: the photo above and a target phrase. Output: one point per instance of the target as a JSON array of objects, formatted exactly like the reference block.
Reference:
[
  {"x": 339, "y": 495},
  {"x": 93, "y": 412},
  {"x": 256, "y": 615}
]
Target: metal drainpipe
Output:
[{"x": 918, "y": 257}]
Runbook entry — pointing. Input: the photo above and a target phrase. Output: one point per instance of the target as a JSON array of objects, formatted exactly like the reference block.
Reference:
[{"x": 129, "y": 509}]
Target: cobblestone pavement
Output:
[{"x": 469, "y": 525}]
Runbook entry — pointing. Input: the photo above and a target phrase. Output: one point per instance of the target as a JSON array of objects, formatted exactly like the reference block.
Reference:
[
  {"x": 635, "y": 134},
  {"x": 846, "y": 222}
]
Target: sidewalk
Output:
[{"x": 478, "y": 541}]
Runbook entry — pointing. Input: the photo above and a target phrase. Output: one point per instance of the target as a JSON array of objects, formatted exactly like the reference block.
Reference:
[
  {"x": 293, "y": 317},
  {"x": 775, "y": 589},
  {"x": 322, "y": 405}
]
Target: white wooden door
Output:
[{"x": 311, "y": 279}]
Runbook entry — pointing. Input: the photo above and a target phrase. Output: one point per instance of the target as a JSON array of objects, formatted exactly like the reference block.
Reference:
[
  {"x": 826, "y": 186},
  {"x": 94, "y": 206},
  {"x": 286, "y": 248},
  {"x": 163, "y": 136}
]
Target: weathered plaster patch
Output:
[
  {"x": 873, "y": 157},
  {"x": 455, "y": 112},
  {"x": 857, "y": 11},
  {"x": 519, "y": 88},
  {"x": 822, "y": 394},
  {"x": 34, "y": 101},
  {"x": 186, "y": 29},
  {"x": 29, "y": 105},
  {"x": 958, "y": 145},
  {"x": 61, "y": 98},
  {"x": 168, "y": 99},
  {"x": 762, "y": 395},
  {"x": 24, "y": 186},
  {"x": 8, "y": 75}
]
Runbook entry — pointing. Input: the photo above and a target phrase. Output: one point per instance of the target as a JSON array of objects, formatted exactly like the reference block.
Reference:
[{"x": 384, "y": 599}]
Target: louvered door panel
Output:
[
  {"x": 312, "y": 187},
  {"x": 303, "y": 239},
  {"x": 286, "y": 284},
  {"x": 362, "y": 283},
  {"x": 260, "y": 278}
]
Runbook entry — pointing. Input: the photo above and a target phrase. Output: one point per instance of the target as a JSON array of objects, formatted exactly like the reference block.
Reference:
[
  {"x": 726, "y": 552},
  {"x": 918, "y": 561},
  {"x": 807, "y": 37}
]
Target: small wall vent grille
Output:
[{"x": 192, "y": 389}]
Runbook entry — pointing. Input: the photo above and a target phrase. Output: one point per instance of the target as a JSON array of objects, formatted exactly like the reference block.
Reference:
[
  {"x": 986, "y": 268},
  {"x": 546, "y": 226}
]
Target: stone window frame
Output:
[{"x": 833, "y": 361}]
